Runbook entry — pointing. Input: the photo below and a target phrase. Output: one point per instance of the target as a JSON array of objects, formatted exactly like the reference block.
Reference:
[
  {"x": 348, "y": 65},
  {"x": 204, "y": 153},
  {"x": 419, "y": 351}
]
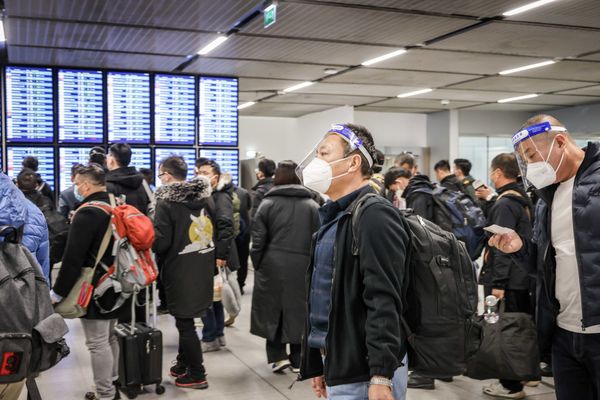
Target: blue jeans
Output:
[
  {"x": 360, "y": 391},
  {"x": 576, "y": 365},
  {"x": 214, "y": 322}
]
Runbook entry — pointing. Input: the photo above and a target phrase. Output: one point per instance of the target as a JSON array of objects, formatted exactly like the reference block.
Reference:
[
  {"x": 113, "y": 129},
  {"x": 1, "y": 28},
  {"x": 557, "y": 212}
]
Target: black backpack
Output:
[
  {"x": 31, "y": 333},
  {"x": 440, "y": 296},
  {"x": 58, "y": 231}
]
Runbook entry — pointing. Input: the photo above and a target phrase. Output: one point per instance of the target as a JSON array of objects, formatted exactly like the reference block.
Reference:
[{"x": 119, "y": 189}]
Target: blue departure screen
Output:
[
  {"x": 67, "y": 157},
  {"x": 80, "y": 116},
  {"x": 174, "y": 109},
  {"x": 128, "y": 96},
  {"x": 45, "y": 156},
  {"x": 29, "y": 105},
  {"x": 218, "y": 111},
  {"x": 189, "y": 155},
  {"x": 140, "y": 158},
  {"x": 228, "y": 160}
]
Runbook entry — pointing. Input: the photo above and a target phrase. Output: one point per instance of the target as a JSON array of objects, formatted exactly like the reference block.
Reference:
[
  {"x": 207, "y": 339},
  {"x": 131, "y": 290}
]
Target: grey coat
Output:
[{"x": 281, "y": 234}]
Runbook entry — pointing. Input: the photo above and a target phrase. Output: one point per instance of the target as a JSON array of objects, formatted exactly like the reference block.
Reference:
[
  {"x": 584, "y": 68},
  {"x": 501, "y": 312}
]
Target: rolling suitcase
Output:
[{"x": 140, "y": 355}]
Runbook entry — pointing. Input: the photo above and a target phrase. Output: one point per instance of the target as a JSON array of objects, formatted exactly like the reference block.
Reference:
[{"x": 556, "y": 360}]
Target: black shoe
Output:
[
  {"x": 178, "y": 370},
  {"x": 162, "y": 310},
  {"x": 546, "y": 369},
  {"x": 416, "y": 381},
  {"x": 446, "y": 379},
  {"x": 189, "y": 382}
]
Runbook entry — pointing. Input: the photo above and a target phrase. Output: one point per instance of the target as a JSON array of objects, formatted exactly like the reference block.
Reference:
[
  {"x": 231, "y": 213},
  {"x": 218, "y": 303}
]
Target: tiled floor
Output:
[{"x": 238, "y": 372}]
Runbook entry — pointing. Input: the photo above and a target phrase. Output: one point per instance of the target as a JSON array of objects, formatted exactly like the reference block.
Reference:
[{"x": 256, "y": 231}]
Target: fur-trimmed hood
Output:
[
  {"x": 189, "y": 193},
  {"x": 225, "y": 182}
]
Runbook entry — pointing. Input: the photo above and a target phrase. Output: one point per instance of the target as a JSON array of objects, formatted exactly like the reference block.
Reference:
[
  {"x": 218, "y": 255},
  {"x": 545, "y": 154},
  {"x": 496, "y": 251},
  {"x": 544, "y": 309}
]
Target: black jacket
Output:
[
  {"x": 451, "y": 182},
  {"x": 245, "y": 207},
  {"x": 67, "y": 202},
  {"x": 365, "y": 335},
  {"x": 586, "y": 228},
  {"x": 85, "y": 235},
  {"x": 420, "y": 202},
  {"x": 184, "y": 245},
  {"x": 42, "y": 202},
  {"x": 128, "y": 181},
  {"x": 224, "y": 243},
  {"x": 258, "y": 193},
  {"x": 514, "y": 211},
  {"x": 281, "y": 238}
]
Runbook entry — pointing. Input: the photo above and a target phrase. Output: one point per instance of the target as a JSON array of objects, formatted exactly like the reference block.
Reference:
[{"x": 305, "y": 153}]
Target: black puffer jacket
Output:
[
  {"x": 417, "y": 199},
  {"x": 225, "y": 246},
  {"x": 128, "y": 181},
  {"x": 184, "y": 245},
  {"x": 86, "y": 232},
  {"x": 281, "y": 238},
  {"x": 258, "y": 192},
  {"x": 512, "y": 209}
]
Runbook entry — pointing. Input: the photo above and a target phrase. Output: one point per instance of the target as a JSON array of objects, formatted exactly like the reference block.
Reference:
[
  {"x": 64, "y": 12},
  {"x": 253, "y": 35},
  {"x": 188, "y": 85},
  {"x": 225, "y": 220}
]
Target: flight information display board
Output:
[
  {"x": 189, "y": 155},
  {"x": 67, "y": 157},
  {"x": 174, "y": 109},
  {"x": 45, "y": 156},
  {"x": 29, "y": 105},
  {"x": 141, "y": 158},
  {"x": 128, "y": 96},
  {"x": 80, "y": 106},
  {"x": 228, "y": 160},
  {"x": 218, "y": 99}
]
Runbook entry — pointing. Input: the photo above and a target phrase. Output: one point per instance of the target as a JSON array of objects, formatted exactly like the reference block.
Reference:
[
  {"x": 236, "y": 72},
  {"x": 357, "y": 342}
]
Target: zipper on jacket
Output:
[{"x": 577, "y": 253}]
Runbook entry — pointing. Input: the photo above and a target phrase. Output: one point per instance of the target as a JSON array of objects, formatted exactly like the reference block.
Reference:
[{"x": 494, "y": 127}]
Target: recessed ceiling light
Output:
[
  {"x": 416, "y": 92},
  {"x": 212, "y": 45},
  {"x": 2, "y": 36},
  {"x": 527, "y": 7},
  {"x": 298, "y": 86},
  {"x": 526, "y": 67},
  {"x": 246, "y": 105},
  {"x": 383, "y": 57},
  {"x": 527, "y": 96},
  {"x": 330, "y": 71}
]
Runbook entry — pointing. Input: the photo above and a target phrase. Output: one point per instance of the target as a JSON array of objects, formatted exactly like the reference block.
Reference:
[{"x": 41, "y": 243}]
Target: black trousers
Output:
[
  {"x": 277, "y": 351},
  {"x": 190, "y": 351},
  {"x": 515, "y": 301},
  {"x": 243, "y": 248}
]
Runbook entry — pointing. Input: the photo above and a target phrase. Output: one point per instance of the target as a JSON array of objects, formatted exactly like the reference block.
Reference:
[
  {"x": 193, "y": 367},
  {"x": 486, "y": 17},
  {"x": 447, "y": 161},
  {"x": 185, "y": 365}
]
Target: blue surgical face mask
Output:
[{"x": 78, "y": 196}]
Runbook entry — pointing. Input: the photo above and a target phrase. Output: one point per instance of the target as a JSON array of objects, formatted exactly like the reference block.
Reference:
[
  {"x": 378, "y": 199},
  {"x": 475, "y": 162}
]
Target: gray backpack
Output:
[{"x": 31, "y": 333}]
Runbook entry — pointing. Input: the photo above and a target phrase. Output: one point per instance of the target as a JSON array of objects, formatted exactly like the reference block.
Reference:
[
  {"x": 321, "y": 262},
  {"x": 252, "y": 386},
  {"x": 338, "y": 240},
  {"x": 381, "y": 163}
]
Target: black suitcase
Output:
[{"x": 140, "y": 355}]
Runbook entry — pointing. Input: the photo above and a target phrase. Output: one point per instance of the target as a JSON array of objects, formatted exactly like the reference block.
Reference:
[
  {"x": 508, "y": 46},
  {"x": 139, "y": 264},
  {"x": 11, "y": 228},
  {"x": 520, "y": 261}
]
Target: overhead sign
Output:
[{"x": 270, "y": 15}]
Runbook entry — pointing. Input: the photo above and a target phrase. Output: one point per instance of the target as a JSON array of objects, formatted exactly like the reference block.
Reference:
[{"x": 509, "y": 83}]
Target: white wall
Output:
[
  {"x": 394, "y": 129},
  {"x": 268, "y": 135},
  {"x": 442, "y": 136},
  {"x": 582, "y": 121},
  {"x": 491, "y": 123}
]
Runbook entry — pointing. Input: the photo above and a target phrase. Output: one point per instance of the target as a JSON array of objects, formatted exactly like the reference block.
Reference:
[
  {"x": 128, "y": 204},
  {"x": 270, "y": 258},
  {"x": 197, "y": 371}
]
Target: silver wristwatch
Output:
[{"x": 381, "y": 381}]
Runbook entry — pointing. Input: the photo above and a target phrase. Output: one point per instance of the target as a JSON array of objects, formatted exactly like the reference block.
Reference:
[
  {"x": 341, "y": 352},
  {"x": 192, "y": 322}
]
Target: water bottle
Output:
[{"x": 491, "y": 315}]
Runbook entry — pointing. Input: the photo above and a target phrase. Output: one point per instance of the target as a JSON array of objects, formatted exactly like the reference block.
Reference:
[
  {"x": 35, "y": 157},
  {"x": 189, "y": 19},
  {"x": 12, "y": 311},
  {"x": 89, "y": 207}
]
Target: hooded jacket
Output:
[
  {"x": 127, "y": 181},
  {"x": 17, "y": 211},
  {"x": 281, "y": 239},
  {"x": 417, "y": 197},
  {"x": 185, "y": 245},
  {"x": 451, "y": 182},
  {"x": 259, "y": 191},
  {"x": 225, "y": 236},
  {"x": 514, "y": 211}
]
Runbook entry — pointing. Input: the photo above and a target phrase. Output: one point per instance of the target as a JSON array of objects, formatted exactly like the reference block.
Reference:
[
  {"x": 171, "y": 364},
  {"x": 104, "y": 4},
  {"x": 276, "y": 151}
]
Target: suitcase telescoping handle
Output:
[{"x": 150, "y": 307}]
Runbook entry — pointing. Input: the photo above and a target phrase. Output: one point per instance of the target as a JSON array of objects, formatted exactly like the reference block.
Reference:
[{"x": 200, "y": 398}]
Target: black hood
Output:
[
  {"x": 266, "y": 181},
  {"x": 192, "y": 194},
  {"x": 417, "y": 182},
  {"x": 290, "y": 191},
  {"x": 128, "y": 177}
]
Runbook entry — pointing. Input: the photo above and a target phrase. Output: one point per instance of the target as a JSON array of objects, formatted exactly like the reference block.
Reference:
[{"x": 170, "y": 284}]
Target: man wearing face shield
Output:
[
  {"x": 354, "y": 346},
  {"x": 567, "y": 179}
]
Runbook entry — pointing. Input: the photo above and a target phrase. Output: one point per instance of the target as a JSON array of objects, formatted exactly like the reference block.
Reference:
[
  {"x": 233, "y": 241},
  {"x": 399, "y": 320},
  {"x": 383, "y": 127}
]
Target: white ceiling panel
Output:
[
  {"x": 451, "y": 61},
  {"x": 253, "y": 96},
  {"x": 527, "y": 40},
  {"x": 524, "y": 85},
  {"x": 327, "y": 87},
  {"x": 587, "y": 91},
  {"x": 355, "y": 24},
  {"x": 512, "y": 107},
  {"x": 565, "y": 100},
  {"x": 400, "y": 78},
  {"x": 284, "y": 110},
  {"x": 422, "y": 103},
  {"x": 398, "y": 109},
  {"x": 324, "y": 99},
  {"x": 568, "y": 69},
  {"x": 565, "y": 12},
  {"x": 257, "y": 69},
  {"x": 593, "y": 57},
  {"x": 466, "y": 95},
  {"x": 209, "y": 15},
  {"x": 254, "y": 85}
]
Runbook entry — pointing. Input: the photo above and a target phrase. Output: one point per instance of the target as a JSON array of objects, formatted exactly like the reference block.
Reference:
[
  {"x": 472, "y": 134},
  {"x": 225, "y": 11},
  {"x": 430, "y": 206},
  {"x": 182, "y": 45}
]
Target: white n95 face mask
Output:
[
  {"x": 318, "y": 175},
  {"x": 541, "y": 174}
]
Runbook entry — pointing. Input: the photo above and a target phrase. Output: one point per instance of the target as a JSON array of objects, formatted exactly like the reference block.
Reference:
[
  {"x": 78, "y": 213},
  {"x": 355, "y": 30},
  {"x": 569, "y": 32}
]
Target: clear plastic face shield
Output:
[
  {"x": 316, "y": 171},
  {"x": 538, "y": 167}
]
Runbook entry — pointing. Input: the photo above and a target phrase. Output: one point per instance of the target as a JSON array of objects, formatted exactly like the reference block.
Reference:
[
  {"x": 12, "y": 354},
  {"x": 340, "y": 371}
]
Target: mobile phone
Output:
[{"x": 477, "y": 184}]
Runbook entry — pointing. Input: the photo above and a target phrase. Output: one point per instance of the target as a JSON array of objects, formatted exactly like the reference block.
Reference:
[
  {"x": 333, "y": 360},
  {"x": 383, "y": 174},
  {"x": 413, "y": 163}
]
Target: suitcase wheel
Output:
[
  {"x": 160, "y": 389},
  {"x": 131, "y": 393}
]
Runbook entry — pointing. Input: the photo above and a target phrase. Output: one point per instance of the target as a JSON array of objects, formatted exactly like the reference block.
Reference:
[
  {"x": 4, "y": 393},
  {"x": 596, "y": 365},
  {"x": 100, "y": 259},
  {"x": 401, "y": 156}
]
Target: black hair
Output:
[
  {"x": 75, "y": 168},
  {"x": 30, "y": 162},
  {"x": 406, "y": 158},
  {"x": 97, "y": 155},
  {"x": 202, "y": 161},
  {"x": 464, "y": 165},
  {"x": 122, "y": 153},
  {"x": 149, "y": 174},
  {"x": 94, "y": 173},
  {"x": 507, "y": 163},
  {"x": 285, "y": 174},
  {"x": 443, "y": 165},
  {"x": 27, "y": 180},
  {"x": 394, "y": 173},
  {"x": 378, "y": 161},
  {"x": 267, "y": 167},
  {"x": 175, "y": 166},
  {"x": 367, "y": 141}
]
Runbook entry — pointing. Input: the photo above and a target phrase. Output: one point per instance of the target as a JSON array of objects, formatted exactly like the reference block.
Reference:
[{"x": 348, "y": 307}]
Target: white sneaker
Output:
[
  {"x": 221, "y": 340},
  {"x": 531, "y": 383},
  {"x": 198, "y": 323},
  {"x": 279, "y": 366},
  {"x": 497, "y": 390},
  {"x": 207, "y": 347}
]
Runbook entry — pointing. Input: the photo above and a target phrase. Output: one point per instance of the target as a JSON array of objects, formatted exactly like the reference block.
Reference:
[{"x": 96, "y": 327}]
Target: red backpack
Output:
[{"x": 134, "y": 266}]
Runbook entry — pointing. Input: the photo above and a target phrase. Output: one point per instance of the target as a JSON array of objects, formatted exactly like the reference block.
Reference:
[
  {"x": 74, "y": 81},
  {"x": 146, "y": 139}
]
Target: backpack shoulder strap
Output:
[
  {"x": 149, "y": 193},
  {"x": 357, "y": 209},
  {"x": 517, "y": 194}
]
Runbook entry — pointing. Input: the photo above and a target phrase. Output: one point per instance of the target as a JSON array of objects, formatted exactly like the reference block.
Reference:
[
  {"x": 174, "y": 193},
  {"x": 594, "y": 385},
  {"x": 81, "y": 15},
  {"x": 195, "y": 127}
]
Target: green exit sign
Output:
[{"x": 270, "y": 15}]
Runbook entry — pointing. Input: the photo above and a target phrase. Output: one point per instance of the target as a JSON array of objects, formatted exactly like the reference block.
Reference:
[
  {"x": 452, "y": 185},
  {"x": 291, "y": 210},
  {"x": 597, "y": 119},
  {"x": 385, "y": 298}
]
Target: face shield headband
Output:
[{"x": 355, "y": 142}]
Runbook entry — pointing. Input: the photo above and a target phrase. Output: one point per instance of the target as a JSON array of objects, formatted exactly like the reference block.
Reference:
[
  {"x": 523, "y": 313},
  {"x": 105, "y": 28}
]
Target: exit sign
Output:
[{"x": 270, "y": 15}]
